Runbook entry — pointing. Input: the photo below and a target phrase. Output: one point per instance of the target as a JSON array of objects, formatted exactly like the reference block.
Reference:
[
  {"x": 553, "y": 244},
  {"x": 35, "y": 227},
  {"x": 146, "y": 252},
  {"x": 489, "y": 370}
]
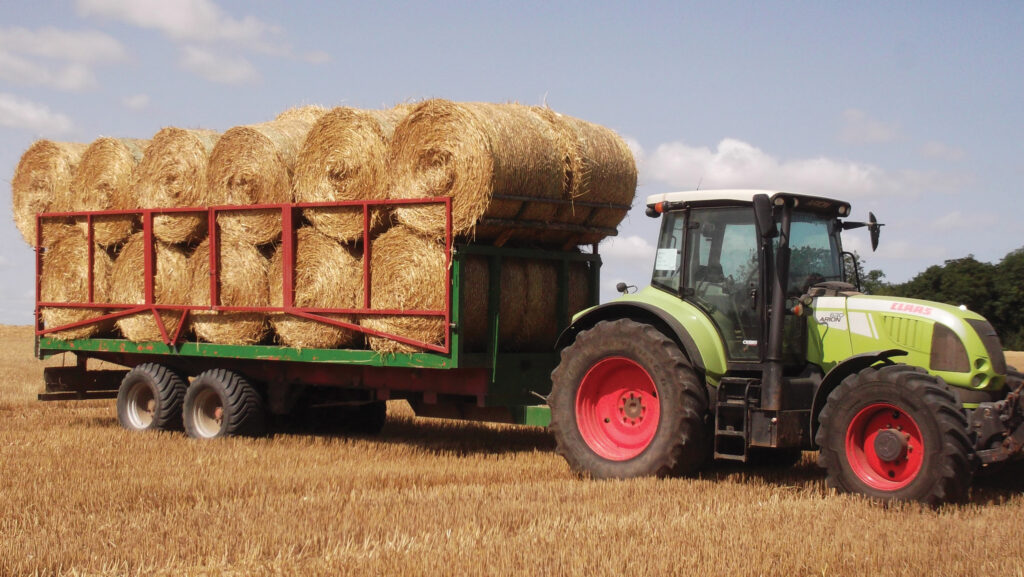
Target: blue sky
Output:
[{"x": 910, "y": 110}]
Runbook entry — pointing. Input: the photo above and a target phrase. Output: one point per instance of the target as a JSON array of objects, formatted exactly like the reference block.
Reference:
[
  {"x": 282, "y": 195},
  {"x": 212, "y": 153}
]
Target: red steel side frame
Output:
[{"x": 288, "y": 247}]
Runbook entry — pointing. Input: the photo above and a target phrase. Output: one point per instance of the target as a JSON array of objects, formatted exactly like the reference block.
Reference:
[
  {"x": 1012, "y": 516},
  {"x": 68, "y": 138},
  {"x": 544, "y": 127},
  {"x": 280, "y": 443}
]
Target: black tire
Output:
[
  {"x": 678, "y": 442},
  {"x": 220, "y": 403},
  {"x": 150, "y": 398},
  {"x": 926, "y": 415}
]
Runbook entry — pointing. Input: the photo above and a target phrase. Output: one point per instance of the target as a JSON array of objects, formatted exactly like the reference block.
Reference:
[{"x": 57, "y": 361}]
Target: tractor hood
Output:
[{"x": 955, "y": 343}]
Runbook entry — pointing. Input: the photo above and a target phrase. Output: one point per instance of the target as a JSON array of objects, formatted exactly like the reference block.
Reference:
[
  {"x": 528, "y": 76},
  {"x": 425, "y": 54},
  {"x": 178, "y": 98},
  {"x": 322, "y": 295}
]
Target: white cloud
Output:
[
  {"x": 86, "y": 46},
  {"x": 185, "y": 20},
  {"x": 54, "y": 58},
  {"x": 957, "y": 220},
  {"x": 737, "y": 164},
  {"x": 216, "y": 67},
  {"x": 317, "y": 57},
  {"x": 941, "y": 151},
  {"x": 136, "y": 101},
  {"x": 859, "y": 128},
  {"x": 23, "y": 114}
]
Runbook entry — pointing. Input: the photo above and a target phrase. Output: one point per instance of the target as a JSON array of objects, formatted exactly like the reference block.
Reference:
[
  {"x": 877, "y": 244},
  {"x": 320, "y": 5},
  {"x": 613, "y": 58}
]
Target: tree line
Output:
[{"x": 995, "y": 291}]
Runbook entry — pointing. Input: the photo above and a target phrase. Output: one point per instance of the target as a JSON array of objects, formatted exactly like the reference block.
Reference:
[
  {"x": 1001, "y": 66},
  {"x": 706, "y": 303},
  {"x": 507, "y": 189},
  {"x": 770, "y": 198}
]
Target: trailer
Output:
[{"x": 214, "y": 390}]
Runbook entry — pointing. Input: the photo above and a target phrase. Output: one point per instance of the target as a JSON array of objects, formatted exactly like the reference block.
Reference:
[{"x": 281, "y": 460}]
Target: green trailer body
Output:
[{"x": 473, "y": 380}]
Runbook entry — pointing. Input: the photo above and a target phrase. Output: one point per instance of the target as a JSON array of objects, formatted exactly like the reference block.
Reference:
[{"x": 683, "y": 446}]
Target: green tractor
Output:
[{"x": 752, "y": 345}]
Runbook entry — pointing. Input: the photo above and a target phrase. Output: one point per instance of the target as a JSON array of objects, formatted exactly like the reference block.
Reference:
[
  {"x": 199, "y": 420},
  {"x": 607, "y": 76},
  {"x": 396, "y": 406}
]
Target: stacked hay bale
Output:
[
  {"x": 103, "y": 181},
  {"x": 344, "y": 158},
  {"x": 326, "y": 275},
  {"x": 407, "y": 272},
  {"x": 254, "y": 165},
  {"x": 243, "y": 277},
  {"x": 171, "y": 284},
  {"x": 514, "y": 174},
  {"x": 43, "y": 174},
  {"x": 172, "y": 174},
  {"x": 65, "y": 279}
]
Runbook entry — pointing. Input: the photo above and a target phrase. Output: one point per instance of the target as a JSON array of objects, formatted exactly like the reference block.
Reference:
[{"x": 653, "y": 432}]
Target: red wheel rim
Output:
[
  {"x": 862, "y": 436},
  {"x": 617, "y": 409}
]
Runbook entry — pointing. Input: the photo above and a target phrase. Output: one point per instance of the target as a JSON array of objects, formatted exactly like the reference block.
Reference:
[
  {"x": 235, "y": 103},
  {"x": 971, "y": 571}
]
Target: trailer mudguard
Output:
[{"x": 699, "y": 339}]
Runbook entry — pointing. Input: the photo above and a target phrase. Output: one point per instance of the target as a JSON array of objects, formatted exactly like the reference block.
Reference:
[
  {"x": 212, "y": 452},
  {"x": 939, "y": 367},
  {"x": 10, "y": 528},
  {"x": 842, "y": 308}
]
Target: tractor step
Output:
[{"x": 736, "y": 396}]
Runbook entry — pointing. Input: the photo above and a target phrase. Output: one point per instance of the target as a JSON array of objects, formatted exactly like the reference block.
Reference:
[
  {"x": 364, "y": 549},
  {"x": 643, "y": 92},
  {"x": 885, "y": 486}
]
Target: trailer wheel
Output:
[
  {"x": 896, "y": 433},
  {"x": 626, "y": 403},
  {"x": 150, "y": 398},
  {"x": 220, "y": 403}
]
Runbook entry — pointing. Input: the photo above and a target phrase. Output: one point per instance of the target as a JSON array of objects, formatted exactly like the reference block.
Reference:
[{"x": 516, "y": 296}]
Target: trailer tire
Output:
[
  {"x": 150, "y": 398},
  {"x": 896, "y": 433},
  {"x": 625, "y": 403},
  {"x": 221, "y": 403}
]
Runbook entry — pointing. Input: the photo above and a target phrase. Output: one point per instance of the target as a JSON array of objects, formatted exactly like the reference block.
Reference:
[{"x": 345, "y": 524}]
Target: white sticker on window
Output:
[{"x": 667, "y": 259}]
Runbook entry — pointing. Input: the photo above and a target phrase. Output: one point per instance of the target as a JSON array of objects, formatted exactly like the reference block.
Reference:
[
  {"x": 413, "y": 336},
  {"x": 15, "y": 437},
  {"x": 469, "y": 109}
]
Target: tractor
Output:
[{"x": 753, "y": 344}]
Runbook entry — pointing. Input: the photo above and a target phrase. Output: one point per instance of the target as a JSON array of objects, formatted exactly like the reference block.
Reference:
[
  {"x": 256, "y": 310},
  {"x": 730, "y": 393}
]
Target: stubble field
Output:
[{"x": 81, "y": 496}]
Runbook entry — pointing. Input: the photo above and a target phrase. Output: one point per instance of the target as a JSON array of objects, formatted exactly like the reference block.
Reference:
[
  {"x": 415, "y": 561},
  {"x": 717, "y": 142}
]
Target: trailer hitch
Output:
[{"x": 999, "y": 427}]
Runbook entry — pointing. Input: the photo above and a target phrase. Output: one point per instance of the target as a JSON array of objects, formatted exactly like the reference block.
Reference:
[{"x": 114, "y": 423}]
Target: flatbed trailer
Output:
[{"x": 453, "y": 379}]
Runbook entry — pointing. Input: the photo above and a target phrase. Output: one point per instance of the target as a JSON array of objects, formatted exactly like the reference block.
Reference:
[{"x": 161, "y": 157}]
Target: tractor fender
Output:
[
  {"x": 640, "y": 312},
  {"x": 850, "y": 366}
]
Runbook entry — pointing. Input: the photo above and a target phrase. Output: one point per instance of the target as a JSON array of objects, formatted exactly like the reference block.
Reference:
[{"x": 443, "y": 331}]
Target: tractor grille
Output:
[
  {"x": 992, "y": 345},
  {"x": 903, "y": 331}
]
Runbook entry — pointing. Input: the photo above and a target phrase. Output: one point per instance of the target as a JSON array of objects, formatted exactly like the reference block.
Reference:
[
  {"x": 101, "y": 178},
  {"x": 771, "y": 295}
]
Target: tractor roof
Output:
[{"x": 741, "y": 197}]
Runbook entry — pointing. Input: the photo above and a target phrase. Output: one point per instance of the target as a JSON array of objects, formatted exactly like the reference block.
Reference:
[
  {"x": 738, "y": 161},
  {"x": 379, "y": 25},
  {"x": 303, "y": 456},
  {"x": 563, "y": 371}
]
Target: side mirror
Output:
[
  {"x": 874, "y": 228},
  {"x": 763, "y": 218}
]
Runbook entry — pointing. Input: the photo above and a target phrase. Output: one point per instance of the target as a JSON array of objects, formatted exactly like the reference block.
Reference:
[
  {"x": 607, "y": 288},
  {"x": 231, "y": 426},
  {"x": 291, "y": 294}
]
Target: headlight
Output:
[{"x": 948, "y": 352}]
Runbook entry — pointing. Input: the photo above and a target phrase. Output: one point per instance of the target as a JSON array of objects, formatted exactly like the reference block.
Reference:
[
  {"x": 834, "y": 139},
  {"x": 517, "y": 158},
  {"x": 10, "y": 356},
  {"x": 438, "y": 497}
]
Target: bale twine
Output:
[
  {"x": 103, "y": 181},
  {"x": 172, "y": 173},
  {"x": 65, "y": 278},
  {"x": 243, "y": 283},
  {"x": 327, "y": 275},
  {"x": 408, "y": 273},
  {"x": 469, "y": 152},
  {"x": 345, "y": 158},
  {"x": 253, "y": 165},
  {"x": 309, "y": 113},
  {"x": 43, "y": 174},
  {"x": 171, "y": 286}
]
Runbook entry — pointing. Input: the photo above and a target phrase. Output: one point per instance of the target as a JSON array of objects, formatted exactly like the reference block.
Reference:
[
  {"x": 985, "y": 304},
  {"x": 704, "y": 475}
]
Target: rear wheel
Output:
[
  {"x": 626, "y": 403},
  {"x": 150, "y": 398},
  {"x": 896, "y": 433},
  {"x": 221, "y": 403}
]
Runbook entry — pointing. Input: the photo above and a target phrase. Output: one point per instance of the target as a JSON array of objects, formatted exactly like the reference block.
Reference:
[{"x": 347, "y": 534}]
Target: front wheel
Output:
[
  {"x": 626, "y": 403},
  {"x": 896, "y": 433}
]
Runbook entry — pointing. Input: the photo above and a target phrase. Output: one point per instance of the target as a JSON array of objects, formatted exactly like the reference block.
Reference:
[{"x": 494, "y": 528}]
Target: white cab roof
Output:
[{"x": 736, "y": 196}]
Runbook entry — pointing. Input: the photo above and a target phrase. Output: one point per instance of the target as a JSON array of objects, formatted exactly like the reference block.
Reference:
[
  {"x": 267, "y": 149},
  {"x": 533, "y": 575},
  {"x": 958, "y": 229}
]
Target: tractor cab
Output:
[{"x": 711, "y": 253}]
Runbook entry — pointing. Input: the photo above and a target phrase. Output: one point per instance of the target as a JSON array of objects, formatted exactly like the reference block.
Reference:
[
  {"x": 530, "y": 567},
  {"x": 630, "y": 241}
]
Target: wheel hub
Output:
[
  {"x": 632, "y": 406},
  {"x": 891, "y": 445}
]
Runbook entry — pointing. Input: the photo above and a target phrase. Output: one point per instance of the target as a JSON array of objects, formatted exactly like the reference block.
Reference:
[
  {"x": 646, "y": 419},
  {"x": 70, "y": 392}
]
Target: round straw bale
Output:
[
  {"x": 171, "y": 286},
  {"x": 476, "y": 276},
  {"x": 407, "y": 272},
  {"x": 172, "y": 173},
  {"x": 309, "y": 113},
  {"x": 103, "y": 181},
  {"x": 65, "y": 278},
  {"x": 253, "y": 165},
  {"x": 344, "y": 158},
  {"x": 242, "y": 271},
  {"x": 540, "y": 307},
  {"x": 511, "y": 307},
  {"x": 470, "y": 152},
  {"x": 327, "y": 275},
  {"x": 43, "y": 174}
]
